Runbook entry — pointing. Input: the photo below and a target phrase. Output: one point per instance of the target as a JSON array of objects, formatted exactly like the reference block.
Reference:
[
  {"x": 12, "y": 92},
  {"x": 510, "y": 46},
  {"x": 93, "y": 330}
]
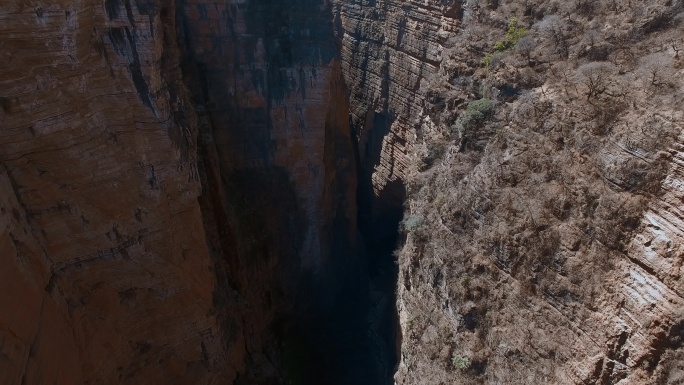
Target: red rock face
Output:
[
  {"x": 106, "y": 276},
  {"x": 277, "y": 144},
  {"x": 128, "y": 259}
]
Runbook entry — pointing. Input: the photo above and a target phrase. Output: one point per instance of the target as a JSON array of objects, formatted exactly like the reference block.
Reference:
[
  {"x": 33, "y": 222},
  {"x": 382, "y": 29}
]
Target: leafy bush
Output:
[
  {"x": 413, "y": 222},
  {"x": 460, "y": 362},
  {"x": 513, "y": 35},
  {"x": 487, "y": 60},
  {"x": 477, "y": 112},
  {"x": 483, "y": 106}
]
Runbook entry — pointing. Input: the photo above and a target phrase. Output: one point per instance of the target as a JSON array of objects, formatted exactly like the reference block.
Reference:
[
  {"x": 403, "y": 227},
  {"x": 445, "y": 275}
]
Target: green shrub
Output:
[
  {"x": 514, "y": 33},
  {"x": 483, "y": 106},
  {"x": 471, "y": 119},
  {"x": 487, "y": 60},
  {"x": 477, "y": 112},
  {"x": 413, "y": 222},
  {"x": 460, "y": 362},
  {"x": 500, "y": 46}
]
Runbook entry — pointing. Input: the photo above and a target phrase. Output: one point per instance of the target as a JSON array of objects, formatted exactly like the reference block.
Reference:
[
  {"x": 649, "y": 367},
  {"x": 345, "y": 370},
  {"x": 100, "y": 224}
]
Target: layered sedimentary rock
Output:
[
  {"x": 106, "y": 276},
  {"x": 146, "y": 258},
  {"x": 494, "y": 285},
  {"x": 631, "y": 333},
  {"x": 267, "y": 71},
  {"x": 389, "y": 48}
]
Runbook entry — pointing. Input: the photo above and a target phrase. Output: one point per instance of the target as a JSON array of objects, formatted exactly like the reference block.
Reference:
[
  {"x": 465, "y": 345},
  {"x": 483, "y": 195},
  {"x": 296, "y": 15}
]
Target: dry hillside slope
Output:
[{"x": 543, "y": 221}]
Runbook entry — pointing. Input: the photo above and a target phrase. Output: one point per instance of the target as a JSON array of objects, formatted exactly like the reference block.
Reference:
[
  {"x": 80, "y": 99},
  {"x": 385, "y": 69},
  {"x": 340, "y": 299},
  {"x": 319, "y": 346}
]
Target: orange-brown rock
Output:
[
  {"x": 132, "y": 254},
  {"x": 106, "y": 276}
]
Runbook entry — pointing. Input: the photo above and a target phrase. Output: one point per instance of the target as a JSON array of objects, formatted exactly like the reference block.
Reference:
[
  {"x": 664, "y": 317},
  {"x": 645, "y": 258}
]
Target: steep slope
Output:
[
  {"x": 279, "y": 188},
  {"x": 106, "y": 277},
  {"x": 542, "y": 234}
]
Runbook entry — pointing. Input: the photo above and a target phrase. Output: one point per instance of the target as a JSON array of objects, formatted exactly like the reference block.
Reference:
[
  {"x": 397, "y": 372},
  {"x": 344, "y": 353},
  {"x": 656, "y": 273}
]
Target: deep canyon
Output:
[{"x": 287, "y": 192}]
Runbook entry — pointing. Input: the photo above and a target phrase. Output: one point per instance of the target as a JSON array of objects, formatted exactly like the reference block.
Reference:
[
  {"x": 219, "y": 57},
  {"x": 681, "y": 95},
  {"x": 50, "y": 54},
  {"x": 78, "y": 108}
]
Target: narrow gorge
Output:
[
  {"x": 341, "y": 192},
  {"x": 216, "y": 237}
]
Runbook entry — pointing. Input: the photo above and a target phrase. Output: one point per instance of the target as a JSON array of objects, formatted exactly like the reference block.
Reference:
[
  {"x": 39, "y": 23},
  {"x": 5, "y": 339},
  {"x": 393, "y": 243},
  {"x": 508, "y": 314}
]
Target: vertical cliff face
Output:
[
  {"x": 389, "y": 48},
  {"x": 106, "y": 276},
  {"x": 279, "y": 180},
  {"x": 143, "y": 255},
  {"x": 281, "y": 176},
  {"x": 265, "y": 72}
]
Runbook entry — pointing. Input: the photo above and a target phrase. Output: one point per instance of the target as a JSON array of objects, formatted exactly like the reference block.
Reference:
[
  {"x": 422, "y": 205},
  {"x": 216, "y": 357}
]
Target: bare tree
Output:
[
  {"x": 657, "y": 69},
  {"x": 597, "y": 77},
  {"x": 674, "y": 44},
  {"x": 524, "y": 48},
  {"x": 652, "y": 65},
  {"x": 557, "y": 30},
  {"x": 585, "y": 7}
]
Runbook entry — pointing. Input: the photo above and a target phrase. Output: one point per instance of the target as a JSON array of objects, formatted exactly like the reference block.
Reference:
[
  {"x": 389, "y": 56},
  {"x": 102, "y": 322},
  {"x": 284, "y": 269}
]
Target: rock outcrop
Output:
[
  {"x": 105, "y": 277},
  {"x": 179, "y": 197},
  {"x": 389, "y": 49}
]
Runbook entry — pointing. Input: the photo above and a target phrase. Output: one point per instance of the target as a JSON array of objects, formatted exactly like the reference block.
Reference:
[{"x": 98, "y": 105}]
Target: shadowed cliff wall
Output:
[
  {"x": 179, "y": 197},
  {"x": 276, "y": 134},
  {"x": 105, "y": 272}
]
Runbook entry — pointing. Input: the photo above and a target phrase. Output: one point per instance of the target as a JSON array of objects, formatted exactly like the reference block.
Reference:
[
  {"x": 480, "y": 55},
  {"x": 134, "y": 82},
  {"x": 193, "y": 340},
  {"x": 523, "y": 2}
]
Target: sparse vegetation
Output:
[
  {"x": 460, "y": 362},
  {"x": 572, "y": 125},
  {"x": 413, "y": 222},
  {"x": 514, "y": 33}
]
